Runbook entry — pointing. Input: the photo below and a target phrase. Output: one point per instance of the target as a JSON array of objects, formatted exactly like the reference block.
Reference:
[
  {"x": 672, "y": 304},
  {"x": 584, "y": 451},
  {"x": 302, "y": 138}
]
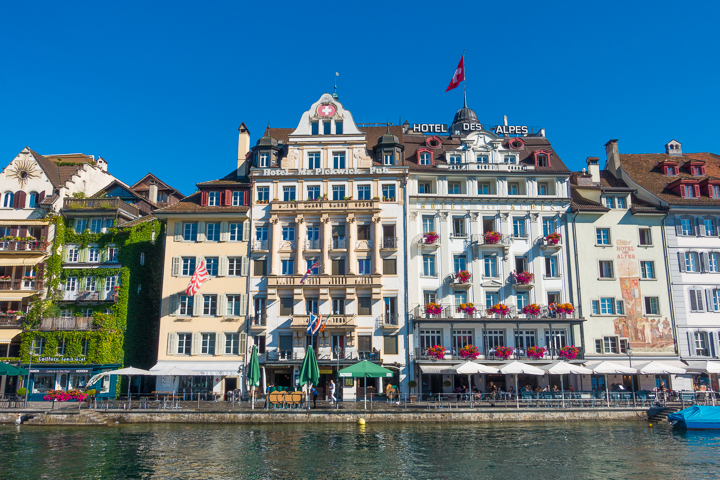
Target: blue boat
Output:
[{"x": 696, "y": 418}]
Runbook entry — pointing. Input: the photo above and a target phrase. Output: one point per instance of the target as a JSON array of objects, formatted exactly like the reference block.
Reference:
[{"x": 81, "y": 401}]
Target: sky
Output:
[{"x": 163, "y": 86}]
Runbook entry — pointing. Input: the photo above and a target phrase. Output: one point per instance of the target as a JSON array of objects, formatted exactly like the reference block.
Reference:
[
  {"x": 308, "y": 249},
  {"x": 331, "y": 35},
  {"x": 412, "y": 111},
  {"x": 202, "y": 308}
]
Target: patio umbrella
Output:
[
  {"x": 659, "y": 368},
  {"x": 564, "y": 368},
  {"x": 365, "y": 370},
  {"x": 470, "y": 369},
  {"x": 309, "y": 372},
  {"x": 610, "y": 368},
  {"x": 517, "y": 368},
  {"x": 704, "y": 367},
  {"x": 129, "y": 372},
  {"x": 253, "y": 375},
  {"x": 174, "y": 372},
  {"x": 12, "y": 370}
]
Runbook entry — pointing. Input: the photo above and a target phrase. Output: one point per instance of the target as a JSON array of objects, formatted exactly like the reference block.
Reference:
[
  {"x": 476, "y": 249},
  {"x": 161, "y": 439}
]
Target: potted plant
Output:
[
  {"x": 536, "y": 352},
  {"x": 447, "y": 383},
  {"x": 565, "y": 309},
  {"x": 523, "y": 278},
  {"x": 499, "y": 309},
  {"x": 469, "y": 352},
  {"x": 467, "y": 308},
  {"x": 376, "y": 198},
  {"x": 463, "y": 276},
  {"x": 438, "y": 351},
  {"x": 568, "y": 353},
  {"x": 492, "y": 237},
  {"x": 553, "y": 239},
  {"x": 21, "y": 391},
  {"x": 430, "y": 237},
  {"x": 503, "y": 352},
  {"x": 532, "y": 309},
  {"x": 433, "y": 308}
]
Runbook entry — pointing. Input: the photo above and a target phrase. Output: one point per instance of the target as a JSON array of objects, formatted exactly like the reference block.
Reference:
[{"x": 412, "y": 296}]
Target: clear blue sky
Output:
[{"x": 162, "y": 87}]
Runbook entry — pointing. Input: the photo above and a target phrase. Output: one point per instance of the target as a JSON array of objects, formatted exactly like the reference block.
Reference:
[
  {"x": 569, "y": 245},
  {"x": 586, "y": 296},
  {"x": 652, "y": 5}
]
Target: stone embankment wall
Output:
[{"x": 91, "y": 417}]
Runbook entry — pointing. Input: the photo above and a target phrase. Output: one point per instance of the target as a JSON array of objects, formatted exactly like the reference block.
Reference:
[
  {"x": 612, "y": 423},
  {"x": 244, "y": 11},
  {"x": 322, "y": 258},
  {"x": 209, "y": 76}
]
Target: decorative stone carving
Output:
[
  {"x": 474, "y": 216},
  {"x": 504, "y": 216},
  {"x": 413, "y": 215},
  {"x": 534, "y": 217},
  {"x": 443, "y": 215}
]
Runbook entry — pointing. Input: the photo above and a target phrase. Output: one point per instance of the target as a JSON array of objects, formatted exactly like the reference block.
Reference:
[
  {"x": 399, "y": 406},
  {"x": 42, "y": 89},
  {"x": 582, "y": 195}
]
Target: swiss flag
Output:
[{"x": 459, "y": 75}]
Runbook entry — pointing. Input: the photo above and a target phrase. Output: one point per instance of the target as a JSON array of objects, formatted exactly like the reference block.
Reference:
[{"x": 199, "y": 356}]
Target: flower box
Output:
[
  {"x": 553, "y": 239},
  {"x": 62, "y": 396},
  {"x": 492, "y": 237},
  {"x": 565, "y": 309},
  {"x": 438, "y": 351},
  {"x": 430, "y": 238},
  {"x": 536, "y": 352},
  {"x": 433, "y": 309},
  {"x": 499, "y": 309},
  {"x": 469, "y": 352},
  {"x": 532, "y": 309},
  {"x": 467, "y": 308},
  {"x": 463, "y": 276},
  {"x": 523, "y": 278},
  {"x": 568, "y": 353},
  {"x": 503, "y": 352}
]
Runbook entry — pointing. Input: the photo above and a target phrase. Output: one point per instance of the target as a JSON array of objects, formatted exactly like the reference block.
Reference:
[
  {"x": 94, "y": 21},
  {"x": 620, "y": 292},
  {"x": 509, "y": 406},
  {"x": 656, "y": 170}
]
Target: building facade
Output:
[
  {"x": 328, "y": 192},
  {"x": 486, "y": 232}
]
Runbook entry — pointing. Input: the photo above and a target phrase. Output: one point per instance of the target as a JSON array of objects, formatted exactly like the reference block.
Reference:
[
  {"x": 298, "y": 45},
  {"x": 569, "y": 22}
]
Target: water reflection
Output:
[{"x": 552, "y": 450}]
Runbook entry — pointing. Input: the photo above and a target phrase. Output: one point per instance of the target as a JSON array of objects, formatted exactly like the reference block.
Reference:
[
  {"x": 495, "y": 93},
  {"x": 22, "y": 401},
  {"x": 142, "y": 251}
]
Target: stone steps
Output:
[{"x": 661, "y": 414}]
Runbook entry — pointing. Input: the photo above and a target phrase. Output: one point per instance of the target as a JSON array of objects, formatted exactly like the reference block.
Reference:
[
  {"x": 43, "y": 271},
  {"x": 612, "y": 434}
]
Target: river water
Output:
[{"x": 533, "y": 451}]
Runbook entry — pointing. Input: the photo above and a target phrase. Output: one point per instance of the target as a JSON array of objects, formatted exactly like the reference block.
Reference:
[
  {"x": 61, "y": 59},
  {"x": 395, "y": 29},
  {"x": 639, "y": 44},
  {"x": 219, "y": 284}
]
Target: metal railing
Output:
[
  {"x": 312, "y": 244},
  {"x": 23, "y": 246},
  {"x": 100, "y": 204},
  {"x": 387, "y": 320},
  {"x": 478, "y": 239},
  {"x": 21, "y": 284},
  {"x": 551, "y": 353},
  {"x": 390, "y": 242},
  {"x": 422, "y": 240},
  {"x": 337, "y": 243},
  {"x": 12, "y": 319},
  {"x": 258, "y": 320},
  {"x": 260, "y": 245}
]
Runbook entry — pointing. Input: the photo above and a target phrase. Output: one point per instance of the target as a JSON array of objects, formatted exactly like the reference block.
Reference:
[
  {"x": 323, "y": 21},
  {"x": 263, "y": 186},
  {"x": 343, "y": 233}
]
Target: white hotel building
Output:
[{"x": 462, "y": 187}]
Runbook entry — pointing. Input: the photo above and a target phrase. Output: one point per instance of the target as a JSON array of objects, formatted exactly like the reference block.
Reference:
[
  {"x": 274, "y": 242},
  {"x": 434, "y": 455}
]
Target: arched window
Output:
[
  {"x": 33, "y": 200},
  {"x": 8, "y": 199}
]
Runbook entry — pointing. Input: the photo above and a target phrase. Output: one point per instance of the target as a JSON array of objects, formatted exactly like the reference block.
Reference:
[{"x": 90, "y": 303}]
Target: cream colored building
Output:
[{"x": 206, "y": 333}]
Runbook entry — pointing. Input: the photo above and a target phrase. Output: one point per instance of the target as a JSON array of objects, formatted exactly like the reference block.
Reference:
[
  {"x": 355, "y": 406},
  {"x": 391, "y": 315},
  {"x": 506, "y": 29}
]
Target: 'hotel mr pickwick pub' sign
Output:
[{"x": 470, "y": 127}]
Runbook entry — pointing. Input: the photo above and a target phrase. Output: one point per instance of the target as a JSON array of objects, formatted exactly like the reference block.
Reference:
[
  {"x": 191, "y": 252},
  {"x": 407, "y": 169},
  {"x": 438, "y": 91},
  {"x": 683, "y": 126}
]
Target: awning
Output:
[
  {"x": 437, "y": 368},
  {"x": 7, "y": 334},
  {"x": 16, "y": 296},
  {"x": 20, "y": 261},
  {"x": 639, "y": 362},
  {"x": 24, "y": 222},
  {"x": 202, "y": 368}
]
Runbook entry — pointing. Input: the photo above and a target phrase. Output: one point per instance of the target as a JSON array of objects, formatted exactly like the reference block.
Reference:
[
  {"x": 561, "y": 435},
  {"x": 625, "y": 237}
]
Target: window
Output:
[
  {"x": 313, "y": 192},
  {"x": 429, "y": 296},
  {"x": 430, "y": 338},
  {"x": 263, "y": 194},
  {"x": 184, "y": 343},
  {"x": 288, "y": 194},
  {"x": 37, "y": 346},
  {"x": 237, "y": 199},
  {"x": 525, "y": 338},
  {"x": 71, "y": 284},
  {"x": 715, "y": 191},
  {"x": 186, "y": 305},
  {"x": 610, "y": 345},
  {"x": 652, "y": 306},
  {"x": 260, "y": 267},
  {"x": 522, "y": 300},
  {"x": 91, "y": 284},
  {"x": 459, "y": 226},
  {"x": 645, "y": 236},
  {"x": 60, "y": 350},
  {"x": 261, "y": 233},
  {"x": 327, "y": 127},
  {"x": 606, "y": 268},
  {"x": 210, "y": 305},
  {"x": 518, "y": 227},
  {"x": 688, "y": 190},
  {"x": 232, "y": 307},
  {"x": 96, "y": 225},
  {"x": 697, "y": 171},
  {"x": 494, "y": 338},
  {"x": 338, "y": 160},
  {"x": 608, "y": 202},
  {"x": 543, "y": 189},
  {"x": 602, "y": 236},
  {"x": 212, "y": 232},
  {"x": 288, "y": 233},
  {"x": 701, "y": 344},
  {"x": 509, "y": 159},
  {"x": 556, "y": 339},
  {"x": 691, "y": 262},
  {"x": 213, "y": 199},
  {"x": 388, "y": 158},
  {"x": 429, "y": 265},
  {"x": 715, "y": 300},
  {"x": 491, "y": 298},
  {"x": 190, "y": 232},
  {"x": 80, "y": 225},
  {"x": 490, "y": 266},
  {"x": 232, "y": 342},
  {"x": 483, "y": 189},
  {"x": 461, "y": 339},
  {"x": 142, "y": 258},
  {"x": 551, "y": 269},
  {"x": 338, "y": 266},
  {"x": 425, "y": 187},
  {"x": 338, "y": 127},
  {"x": 314, "y": 128},
  {"x": 388, "y": 192},
  {"x": 696, "y": 300},
  {"x": 428, "y": 224},
  {"x": 513, "y": 189},
  {"x": 454, "y": 188},
  {"x": 621, "y": 203},
  {"x": 390, "y": 266},
  {"x": 548, "y": 226},
  {"x": 647, "y": 270},
  {"x": 364, "y": 266},
  {"x": 707, "y": 227},
  {"x": 425, "y": 158},
  {"x": 208, "y": 344},
  {"x": 338, "y": 306},
  {"x": 286, "y": 306},
  {"x": 234, "y": 266},
  {"x": 364, "y": 305},
  {"x": 454, "y": 160},
  {"x": 264, "y": 160},
  {"x": 459, "y": 263},
  {"x": 607, "y": 306},
  {"x": 236, "y": 232},
  {"x": 112, "y": 254},
  {"x": 32, "y": 200},
  {"x": 259, "y": 342},
  {"x": 211, "y": 264},
  {"x": 188, "y": 266},
  {"x": 287, "y": 267},
  {"x": 686, "y": 226},
  {"x": 314, "y": 160},
  {"x": 338, "y": 192},
  {"x": 712, "y": 262},
  {"x": 72, "y": 255},
  {"x": 363, "y": 192}
]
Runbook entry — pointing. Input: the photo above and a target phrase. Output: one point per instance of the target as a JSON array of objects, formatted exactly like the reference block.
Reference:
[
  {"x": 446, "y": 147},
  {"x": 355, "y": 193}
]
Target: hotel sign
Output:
[
  {"x": 429, "y": 128},
  {"x": 511, "y": 130},
  {"x": 269, "y": 172},
  {"x": 470, "y": 127}
]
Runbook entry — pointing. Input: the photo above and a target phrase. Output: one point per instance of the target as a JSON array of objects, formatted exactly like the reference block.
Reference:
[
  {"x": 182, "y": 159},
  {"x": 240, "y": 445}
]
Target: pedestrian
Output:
[
  {"x": 332, "y": 392},
  {"x": 314, "y": 393}
]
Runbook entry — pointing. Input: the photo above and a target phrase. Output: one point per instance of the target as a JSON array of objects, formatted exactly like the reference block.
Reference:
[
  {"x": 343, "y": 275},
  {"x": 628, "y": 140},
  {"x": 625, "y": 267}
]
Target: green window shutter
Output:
[
  {"x": 103, "y": 255},
  {"x": 83, "y": 255},
  {"x": 178, "y": 231},
  {"x": 172, "y": 343},
  {"x": 224, "y": 232},
  {"x": 201, "y": 232},
  {"x": 83, "y": 283},
  {"x": 173, "y": 305},
  {"x": 65, "y": 254},
  {"x": 246, "y": 231}
]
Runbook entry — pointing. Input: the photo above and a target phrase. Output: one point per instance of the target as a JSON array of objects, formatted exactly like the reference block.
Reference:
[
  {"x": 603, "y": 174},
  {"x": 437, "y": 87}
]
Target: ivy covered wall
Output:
[{"x": 128, "y": 334}]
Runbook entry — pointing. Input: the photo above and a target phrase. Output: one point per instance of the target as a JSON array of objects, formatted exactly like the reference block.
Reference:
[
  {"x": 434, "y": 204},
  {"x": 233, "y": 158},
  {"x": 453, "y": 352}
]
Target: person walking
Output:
[
  {"x": 314, "y": 394},
  {"x": 332, "y": 392}
]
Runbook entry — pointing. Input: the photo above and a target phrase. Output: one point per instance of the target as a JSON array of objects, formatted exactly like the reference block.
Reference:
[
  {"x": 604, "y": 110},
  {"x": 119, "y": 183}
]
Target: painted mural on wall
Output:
[{"x": 653, "y": 334}]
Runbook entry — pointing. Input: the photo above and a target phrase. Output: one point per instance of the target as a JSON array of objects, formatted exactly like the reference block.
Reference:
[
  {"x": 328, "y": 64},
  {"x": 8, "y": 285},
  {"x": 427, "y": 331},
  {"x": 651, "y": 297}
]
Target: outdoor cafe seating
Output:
[{"x": 285, "y": 399}]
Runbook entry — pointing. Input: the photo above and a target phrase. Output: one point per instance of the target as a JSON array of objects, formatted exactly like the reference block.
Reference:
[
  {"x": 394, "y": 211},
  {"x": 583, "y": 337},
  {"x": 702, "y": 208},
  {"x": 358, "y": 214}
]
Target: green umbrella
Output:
[
  {"x": 253, "y": 375},
  {"x": 309, "y": 372},
  {"x": 11, "y": 370},
  {"x": 365, "y": 370}
]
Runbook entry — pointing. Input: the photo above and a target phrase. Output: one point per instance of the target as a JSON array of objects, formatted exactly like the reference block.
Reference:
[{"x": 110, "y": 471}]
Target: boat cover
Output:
[{"x": 697, "y": 417}]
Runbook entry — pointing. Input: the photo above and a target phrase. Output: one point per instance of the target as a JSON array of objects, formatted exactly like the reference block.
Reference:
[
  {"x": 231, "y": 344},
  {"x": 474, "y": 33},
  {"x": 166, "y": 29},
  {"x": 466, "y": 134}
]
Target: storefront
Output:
[
  {"x": 210, "y": 378},
  {"x": 44, "y": 378}
]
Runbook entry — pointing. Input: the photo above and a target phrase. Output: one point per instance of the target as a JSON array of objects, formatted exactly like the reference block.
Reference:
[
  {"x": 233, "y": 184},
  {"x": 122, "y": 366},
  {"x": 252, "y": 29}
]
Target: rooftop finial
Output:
[{"x": 335, "y": 95}]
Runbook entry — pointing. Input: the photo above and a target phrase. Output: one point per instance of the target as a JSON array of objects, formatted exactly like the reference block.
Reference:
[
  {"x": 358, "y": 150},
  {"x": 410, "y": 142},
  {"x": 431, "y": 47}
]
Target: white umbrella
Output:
[
  {"x": 704, "y": 367},
  {"x": 659, "y": 368},
  {"x": 563, "y": 368},
  {"x": 469, "y": 369},
  {"x": 612, "y": 368},
  {"x": 129, "y": 371},
  {"x": 174, "y": 372},
  {"x": 516, "y": 368}
]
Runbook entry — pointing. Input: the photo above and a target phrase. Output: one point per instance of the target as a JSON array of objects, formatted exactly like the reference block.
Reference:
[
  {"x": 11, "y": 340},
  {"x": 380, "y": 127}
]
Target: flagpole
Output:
[{"x": 464, "y": 78}]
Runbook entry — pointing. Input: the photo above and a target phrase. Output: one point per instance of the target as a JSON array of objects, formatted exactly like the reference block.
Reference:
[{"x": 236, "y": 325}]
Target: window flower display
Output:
[
  {"x": 430, "y": 237},
  {"x": 469, "y": 352},
  {"x": 463, "y": 276},
  {"x": 438, "y": 351},
  {"x": 565, "y": 309},
  {"x": 523, "y": 278},
  {"x": 499, "y": 309},
  {"x": 553, "y": 239},
  {"x": 532, "y": 309},
  {"x": 492, "y": 237},
  {"x": 433, "y": 309},
  {"x": 503, "y": 352},
  {"x": 569, "y": 353},
  {"x": 536, "y": 352},
  {"x": 468, "y": 308}
]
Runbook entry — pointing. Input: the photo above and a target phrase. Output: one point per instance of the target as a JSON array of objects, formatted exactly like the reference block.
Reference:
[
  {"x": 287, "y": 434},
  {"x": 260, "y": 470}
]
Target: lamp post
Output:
[
  {"x": 337, "y": 376},
  {"x": 629, "y": 352}
]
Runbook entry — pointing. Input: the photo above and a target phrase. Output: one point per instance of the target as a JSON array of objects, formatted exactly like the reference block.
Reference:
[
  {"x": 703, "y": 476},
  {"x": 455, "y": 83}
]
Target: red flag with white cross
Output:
[{"x": 459, "y": 75}]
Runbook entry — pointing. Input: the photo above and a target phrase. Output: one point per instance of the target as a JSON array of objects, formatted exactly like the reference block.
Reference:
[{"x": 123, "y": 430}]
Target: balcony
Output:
[
  {"x": 551, "y": 243},
  {"x": 312, "y": 244},
  {"x": 486, "y": 241},
  {"x": 258, "y": 321},
  {"x": 102, "y": 204},
  {"x": 366, "y": 206},
  {"x": 22, "y": 285},
  {"x": 337, "y": 243},
  {"x": 90, "y": 296},
  {"x": 347, "y": 355},
  {"x": 325, "y": 280},
  {"x": 24, "y": 246},
  {"x": 519, "y": 354},
  {"x": 488, "y": 167},
  {"x": 389, "y": 243},
  {"x": 301, "y": 321},
  {"x": 260, "y": 245},
  {"x": 522, "y": 280},
  {"x": 460, "y": 279},
  {"x": 429, "y": 240},
  {"x": 11, "y": 319},
  {"x": 451, "y": 312},
  {"x": 389, "y": 321},
  {"x": 68, "y": 323}
]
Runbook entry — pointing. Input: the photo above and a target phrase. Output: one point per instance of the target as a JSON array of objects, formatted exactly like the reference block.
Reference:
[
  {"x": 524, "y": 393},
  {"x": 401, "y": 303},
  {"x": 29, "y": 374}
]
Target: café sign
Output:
[{"x": 269, "y": 172}]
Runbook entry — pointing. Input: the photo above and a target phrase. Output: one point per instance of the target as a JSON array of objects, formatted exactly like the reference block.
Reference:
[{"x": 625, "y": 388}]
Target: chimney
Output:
[
  {"x": 613, "y": 157},
  {"x": 243, "y": 149},
  {"x": 153, "y": 191},
  {"x": 593, "y": 169}
]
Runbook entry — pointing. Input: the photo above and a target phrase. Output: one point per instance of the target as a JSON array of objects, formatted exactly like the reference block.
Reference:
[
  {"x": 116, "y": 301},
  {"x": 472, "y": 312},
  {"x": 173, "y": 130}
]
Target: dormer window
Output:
[
  {"x": 338, "y": 127},
  {"x": 688, "y": 191},
  {"x": 669, "y": 168},
  {"x": 326, "y": 128},
  {"x": 263, "y": 160},
  {"x": 542, "y": 160},
  {"x": 509, "y": 159},
  {"x": 388, "y": 158},
  {"x": 213, "y": 199},
  {"x": 696, "y": 168},
  {"x": 609, "y": 202},
  {"x": 455, "y": 160},
  {"x": 714, "y": 191},
  {"x": 315, "y": 128},
  {"x": 621, "y": 203},
  {"x": 425, "y": 158},
  {"x": 697, "y": 171},
  {"x": 516, "y": 143}
]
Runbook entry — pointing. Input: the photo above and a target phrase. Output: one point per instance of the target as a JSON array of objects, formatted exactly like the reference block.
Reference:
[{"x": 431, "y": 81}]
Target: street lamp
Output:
[
  {"x": 337, "y": 376},
  {"x": 629, "y": 352}
]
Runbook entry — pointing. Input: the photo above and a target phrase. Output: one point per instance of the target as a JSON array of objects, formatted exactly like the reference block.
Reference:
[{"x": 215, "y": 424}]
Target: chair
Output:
[
  {"x": 297, "y": 398},
  {"x": 281, "y": 399},
  {"x": 273, "y": 399}
]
